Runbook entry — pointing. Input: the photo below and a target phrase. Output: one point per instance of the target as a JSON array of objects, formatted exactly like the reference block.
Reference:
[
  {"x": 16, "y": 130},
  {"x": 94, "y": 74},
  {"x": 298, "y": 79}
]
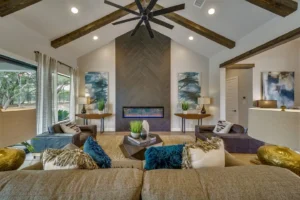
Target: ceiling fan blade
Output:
[
  {"x": 136, "y": 27},
  {"x": 121, "y": 7},
  {"x": 151, "y": 5},
  {"x": 162, "y": 23},
  {"x": 149, "y": 28},
  {"x": 139, "y": 5},
  {"x": 126, "y": 20},
  {"x": 168, "y": 10}
]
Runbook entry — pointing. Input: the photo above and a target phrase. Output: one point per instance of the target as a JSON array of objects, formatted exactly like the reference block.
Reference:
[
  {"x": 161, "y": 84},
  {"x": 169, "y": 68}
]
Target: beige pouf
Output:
[{"x": 11, "y": 159}]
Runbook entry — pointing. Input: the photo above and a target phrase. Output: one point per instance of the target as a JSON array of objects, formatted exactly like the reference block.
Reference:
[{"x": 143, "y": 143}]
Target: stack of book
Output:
[{"x": 140, "y": 141}]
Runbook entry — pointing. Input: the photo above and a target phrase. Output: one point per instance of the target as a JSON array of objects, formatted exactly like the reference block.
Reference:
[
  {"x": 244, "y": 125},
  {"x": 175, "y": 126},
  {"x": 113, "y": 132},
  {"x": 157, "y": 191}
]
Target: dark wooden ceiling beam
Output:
[
  {"x": 92, "y": 26},
  {"x": 262, "y": 48},
  {"x": 279, "y": 7},
  {"x": 240, "y": 66},
  {"x": 211, "y": 35},
  {"x": 10, "y": 6}
]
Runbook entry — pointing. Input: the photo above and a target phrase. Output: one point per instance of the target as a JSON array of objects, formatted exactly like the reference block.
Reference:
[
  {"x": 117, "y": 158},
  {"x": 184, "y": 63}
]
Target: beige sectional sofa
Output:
[{"x": 128, "y": 181}]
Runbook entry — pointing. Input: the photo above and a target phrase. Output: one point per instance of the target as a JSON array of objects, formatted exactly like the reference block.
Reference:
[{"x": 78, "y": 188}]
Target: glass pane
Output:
[
  {"x": 63, "y": 96},
  {"x": 17, "y": 88}
]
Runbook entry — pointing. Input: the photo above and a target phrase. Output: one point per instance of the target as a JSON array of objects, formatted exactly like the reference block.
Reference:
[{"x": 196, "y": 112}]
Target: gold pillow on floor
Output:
[
  {"x": 280, "y": 156},
  {"x": 11, "y": 159}
]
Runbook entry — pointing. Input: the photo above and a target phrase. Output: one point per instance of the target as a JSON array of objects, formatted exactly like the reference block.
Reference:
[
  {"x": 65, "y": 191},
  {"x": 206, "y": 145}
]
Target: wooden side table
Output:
[
  {"x": 94, "y": 116},
  {"x": 198, "y": 117}
]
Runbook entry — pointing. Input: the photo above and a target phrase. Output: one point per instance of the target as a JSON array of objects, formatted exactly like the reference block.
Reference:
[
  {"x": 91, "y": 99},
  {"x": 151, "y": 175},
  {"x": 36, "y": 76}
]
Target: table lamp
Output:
[
  {"x": 82, "y": 101},
  {"x": 204, "y": 101}
]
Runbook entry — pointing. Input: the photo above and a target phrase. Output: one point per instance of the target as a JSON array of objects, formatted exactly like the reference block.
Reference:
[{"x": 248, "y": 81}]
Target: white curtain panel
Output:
[
  {"x": 46, "y": 92},
  {"x": 73, "y": 92}
]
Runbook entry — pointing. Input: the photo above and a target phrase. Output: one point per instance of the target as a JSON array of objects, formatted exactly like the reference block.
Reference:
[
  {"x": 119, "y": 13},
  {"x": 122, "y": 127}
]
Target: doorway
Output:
[{"x": 232, "y": 106}]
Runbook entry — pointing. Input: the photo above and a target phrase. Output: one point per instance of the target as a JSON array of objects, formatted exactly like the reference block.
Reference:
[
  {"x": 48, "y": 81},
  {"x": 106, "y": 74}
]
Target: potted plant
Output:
[
  {"x": 185, "y": 107},
  {"x": 101, "y": 106},
  {"x": 136, "y": 128}
]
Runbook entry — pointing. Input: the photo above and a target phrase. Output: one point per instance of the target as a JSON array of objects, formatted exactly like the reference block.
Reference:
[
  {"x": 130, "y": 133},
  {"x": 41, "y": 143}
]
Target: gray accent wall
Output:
[{"x": 143, "y": 76}]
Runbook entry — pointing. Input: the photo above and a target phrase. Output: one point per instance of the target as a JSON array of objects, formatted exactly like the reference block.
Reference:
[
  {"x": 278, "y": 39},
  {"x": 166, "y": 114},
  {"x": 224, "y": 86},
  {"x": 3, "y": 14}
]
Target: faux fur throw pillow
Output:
[
  {"x": 223, "y": 127},
  {"x": 57, "y": 159},
  {"x": 208, "y": 153}
]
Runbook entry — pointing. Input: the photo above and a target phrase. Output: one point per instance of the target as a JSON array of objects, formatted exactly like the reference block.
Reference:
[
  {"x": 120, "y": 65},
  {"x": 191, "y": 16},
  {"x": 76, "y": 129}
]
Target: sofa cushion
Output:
[
  {"x": 208, "y": 153},
  {"x": 72, "y": 184},
  {"x": 232, "y": 183},
  {"x": 222, "y": 127},
  {"x": 60, "y": 159},
  {"x": 166, "y": 157},
  {"x": 70, "y": 128},
  {"x": 92, "y": 148}
]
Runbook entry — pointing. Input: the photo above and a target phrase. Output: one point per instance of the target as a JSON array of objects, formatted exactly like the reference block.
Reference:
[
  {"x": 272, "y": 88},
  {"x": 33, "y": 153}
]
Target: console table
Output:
[
  {"x": 198, "y": 117},
  {"x": 94, "y": 116}
]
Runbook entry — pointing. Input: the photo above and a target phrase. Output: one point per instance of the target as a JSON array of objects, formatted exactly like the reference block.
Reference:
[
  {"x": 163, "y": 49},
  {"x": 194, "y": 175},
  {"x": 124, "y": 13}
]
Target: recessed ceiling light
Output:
[
  {"x": 74, "y": 10},
  {"x": 191, "y": 38},
  {"x": 95, "y": 37},
  {"x": 211, "y": 11}
]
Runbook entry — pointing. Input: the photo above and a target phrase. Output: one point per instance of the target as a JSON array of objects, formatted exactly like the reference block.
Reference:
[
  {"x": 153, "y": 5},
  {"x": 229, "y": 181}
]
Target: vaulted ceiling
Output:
[{"x": 233, "y": 20}]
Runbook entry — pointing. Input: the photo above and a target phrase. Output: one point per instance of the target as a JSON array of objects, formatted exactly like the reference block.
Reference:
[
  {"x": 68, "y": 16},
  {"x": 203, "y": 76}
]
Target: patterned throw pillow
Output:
[
  {"x": 70, "y": 128},
  {"x": 223, "y": 127},
  {"x": 208, "y": 153},
  {"x": 59, "y": 159},
  {"x": 92, "y": 148},
  {"x": 166, "y": 157}
]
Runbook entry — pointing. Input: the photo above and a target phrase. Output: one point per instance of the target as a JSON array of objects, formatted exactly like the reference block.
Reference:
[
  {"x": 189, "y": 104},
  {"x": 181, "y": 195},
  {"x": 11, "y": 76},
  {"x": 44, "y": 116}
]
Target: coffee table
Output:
[{"x": 135, "y": 151}]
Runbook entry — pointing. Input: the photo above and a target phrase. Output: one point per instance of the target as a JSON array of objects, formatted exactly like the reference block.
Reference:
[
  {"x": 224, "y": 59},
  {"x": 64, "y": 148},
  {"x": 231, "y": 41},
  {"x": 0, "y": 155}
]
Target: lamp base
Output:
[
  {"x": 203, "y": 111},
  {"x": 83, "y": 111}
]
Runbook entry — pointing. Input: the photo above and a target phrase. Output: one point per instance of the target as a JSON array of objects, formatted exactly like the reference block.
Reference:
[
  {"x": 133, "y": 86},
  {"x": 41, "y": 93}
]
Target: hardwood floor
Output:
[{"x": 243, "y": 157}]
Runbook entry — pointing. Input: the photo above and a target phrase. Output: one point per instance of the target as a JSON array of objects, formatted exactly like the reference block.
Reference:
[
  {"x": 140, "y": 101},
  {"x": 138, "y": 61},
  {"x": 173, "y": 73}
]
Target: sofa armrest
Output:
[{"x": 89, "y": 128}]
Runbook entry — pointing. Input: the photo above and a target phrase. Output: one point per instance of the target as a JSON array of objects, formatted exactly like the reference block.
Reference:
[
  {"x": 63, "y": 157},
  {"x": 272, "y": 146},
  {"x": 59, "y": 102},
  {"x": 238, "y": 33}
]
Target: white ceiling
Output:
[{"x": 233, "y": 19}]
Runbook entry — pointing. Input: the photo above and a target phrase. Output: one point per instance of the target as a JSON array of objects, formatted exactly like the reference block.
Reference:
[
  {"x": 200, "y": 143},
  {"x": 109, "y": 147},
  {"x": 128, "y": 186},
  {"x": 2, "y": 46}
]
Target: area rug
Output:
[{"x": 110, "y": 143}]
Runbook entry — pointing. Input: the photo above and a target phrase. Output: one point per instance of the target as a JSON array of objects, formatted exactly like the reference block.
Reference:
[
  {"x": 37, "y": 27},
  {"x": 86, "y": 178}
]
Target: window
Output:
[
  {"x": 17, "y": 85},
  {"x": 63, "y": 96}
]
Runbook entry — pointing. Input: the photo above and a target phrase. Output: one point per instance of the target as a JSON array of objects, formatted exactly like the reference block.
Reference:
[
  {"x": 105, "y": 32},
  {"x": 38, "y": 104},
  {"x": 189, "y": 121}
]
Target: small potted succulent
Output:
[
  {"x": 101, "y": 106},
  {"x": 185, "y": 107},
  {"x": 136, "y": 128}
]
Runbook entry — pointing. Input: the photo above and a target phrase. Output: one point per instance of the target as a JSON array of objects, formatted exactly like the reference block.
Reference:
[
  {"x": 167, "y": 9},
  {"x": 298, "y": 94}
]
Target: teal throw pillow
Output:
[
  {"x": 92, "y": 148},
  {"x": 166, "y": 157}
]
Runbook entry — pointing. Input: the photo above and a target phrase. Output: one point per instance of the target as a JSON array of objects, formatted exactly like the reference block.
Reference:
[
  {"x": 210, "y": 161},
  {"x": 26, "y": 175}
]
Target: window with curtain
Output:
[{"x": 63, "y": 97}]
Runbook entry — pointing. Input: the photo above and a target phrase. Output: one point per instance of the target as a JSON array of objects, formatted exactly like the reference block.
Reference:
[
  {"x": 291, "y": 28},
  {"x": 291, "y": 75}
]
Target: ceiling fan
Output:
[{"x": 146, "y": 14}]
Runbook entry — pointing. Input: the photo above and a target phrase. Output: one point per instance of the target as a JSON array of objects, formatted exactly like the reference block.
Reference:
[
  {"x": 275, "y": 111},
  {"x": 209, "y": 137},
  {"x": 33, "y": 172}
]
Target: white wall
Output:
[
  {"x": 282, "y": 58},
  {"x": 185, "y": 60},
  {"x": 101, "y": 60},
  {"x": 182, "y": 60},
  {"x": 274, "y": 28},
  {"x": 18, "y": 39}
]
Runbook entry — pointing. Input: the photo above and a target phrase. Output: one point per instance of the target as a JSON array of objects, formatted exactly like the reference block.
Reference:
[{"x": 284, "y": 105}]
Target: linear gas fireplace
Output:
[{"x": 143, "y": 112}]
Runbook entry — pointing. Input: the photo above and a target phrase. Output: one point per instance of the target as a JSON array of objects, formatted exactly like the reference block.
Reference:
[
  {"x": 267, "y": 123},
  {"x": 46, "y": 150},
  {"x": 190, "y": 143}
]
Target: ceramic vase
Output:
[
  {"x": 185, "y": 112},
  {"x": 100, "y": 112}
]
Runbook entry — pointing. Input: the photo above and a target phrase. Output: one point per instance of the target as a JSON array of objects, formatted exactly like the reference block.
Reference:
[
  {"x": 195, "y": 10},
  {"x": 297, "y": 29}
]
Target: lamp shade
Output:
[
  {"x": 82, "y": 100},
  {"x": 204, "y": 100}
]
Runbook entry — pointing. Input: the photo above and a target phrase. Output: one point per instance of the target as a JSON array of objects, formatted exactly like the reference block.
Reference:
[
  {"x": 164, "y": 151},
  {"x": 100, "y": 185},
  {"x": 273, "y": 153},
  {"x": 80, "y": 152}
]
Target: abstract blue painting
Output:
[
  {"x": 279, "y": 86},
  {"x": 189, "y": 88},
  {"x": 96, "y": 86}
]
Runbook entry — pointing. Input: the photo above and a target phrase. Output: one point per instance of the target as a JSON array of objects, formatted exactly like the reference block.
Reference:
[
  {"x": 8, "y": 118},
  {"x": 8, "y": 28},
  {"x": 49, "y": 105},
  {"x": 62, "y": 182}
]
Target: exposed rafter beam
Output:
[
  {"x": 10, "y": 6},
  {"x": 120, "y": 13},
  {"x": 240, "y": 66},
  {"x": 198, "y": 29},
  {"x": 279, "y": 7},
  {"x": 264, "y": 47},
  {"x": 92, "y": 26}
]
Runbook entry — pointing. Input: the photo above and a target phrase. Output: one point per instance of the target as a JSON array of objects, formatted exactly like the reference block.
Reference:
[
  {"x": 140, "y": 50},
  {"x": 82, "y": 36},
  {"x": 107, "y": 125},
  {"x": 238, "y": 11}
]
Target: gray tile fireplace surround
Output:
[{"x": 143, "y": 77}]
